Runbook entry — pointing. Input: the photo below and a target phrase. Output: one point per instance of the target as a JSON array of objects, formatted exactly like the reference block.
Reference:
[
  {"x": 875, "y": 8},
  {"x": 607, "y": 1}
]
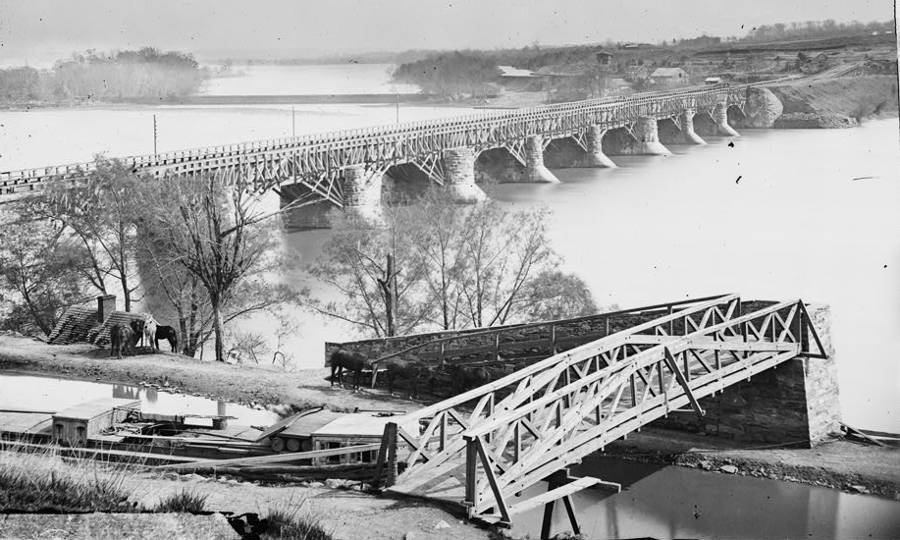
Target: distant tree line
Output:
[
  {"x": 451, "y": 74},
  {"x": 813, "y": 29},
  {"x": 143, "y": 73}
]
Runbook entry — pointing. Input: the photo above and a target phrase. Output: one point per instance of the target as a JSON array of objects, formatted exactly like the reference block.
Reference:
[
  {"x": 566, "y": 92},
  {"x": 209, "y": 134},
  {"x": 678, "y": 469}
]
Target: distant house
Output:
[
  {"x": 514, "y": 78},
  {"x": 669, "y": 76},
  {"x": 604, "y": 58}
]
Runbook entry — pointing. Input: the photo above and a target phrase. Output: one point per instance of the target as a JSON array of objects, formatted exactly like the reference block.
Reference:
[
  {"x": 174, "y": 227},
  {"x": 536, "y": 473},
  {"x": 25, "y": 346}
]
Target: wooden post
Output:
[
  {"x": 391, "y": 431},
  {"x": 553, "y": 339},
  {"x": 383, "y": 453},
  {"x": 497, "y": 347},
  {"x": 548, "y": 518},
  {"x": 443, "y": 442},
  {"x": 471, "y": 468},
  {"x": 573, "y": 521}
]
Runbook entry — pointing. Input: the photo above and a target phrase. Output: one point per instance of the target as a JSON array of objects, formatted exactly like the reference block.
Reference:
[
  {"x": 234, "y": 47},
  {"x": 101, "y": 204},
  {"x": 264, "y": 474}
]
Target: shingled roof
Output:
[
  {"x": 74, "y": 325},
  {"x": 99, "y": 334}
]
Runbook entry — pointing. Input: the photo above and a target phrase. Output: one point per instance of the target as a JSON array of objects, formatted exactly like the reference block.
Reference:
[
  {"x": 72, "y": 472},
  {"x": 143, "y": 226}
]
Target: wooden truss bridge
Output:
[
  {"x": 319, "y": 162},
  {"x": 485, "y": 447}
]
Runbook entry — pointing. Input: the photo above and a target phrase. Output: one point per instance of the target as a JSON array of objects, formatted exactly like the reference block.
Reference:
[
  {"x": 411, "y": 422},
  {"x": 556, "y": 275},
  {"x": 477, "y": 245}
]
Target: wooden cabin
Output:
[{"x": 76, "y": 425}]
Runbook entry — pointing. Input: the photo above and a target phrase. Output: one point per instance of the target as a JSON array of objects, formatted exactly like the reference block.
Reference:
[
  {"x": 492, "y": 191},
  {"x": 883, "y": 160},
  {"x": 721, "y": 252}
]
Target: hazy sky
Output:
[{"x": 38, "y": 31}]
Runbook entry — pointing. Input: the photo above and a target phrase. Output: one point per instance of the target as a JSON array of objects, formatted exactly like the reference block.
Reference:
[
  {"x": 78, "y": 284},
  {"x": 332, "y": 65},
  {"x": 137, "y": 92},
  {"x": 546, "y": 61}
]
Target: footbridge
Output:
[
  {"x": 486, "y": 447},
  {"x": 347, "y": 167}
]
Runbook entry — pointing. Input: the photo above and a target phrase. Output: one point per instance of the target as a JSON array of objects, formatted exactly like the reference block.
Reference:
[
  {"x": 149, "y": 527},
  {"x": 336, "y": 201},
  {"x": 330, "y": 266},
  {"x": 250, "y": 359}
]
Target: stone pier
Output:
[
  {"x": 535, "y": 171},
  {"x": 594, "y": 143},
  {"x": 794, "y": 403},
  {"x": 721, "y": 118},
  {"x": 645, "y": 141},
  {"x": 688, "y": 135},
  {"x": 459, "y": 175},
  {"x": 362, "y": 191}
]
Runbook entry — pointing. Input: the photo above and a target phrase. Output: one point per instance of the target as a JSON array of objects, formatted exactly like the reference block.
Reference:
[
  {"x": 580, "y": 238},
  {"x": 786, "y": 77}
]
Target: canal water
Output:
[
  {"x": 675, "y": 502},
  {"x": 27, "y": 392}
]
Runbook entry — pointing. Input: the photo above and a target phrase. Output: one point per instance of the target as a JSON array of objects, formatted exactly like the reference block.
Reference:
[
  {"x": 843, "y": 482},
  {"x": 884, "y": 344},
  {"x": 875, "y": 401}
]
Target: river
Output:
[{"x": 780, "y": 214}]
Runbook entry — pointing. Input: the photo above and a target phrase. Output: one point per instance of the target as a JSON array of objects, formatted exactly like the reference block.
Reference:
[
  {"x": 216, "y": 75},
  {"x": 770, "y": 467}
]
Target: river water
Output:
[{"x": 780, "y": 214}]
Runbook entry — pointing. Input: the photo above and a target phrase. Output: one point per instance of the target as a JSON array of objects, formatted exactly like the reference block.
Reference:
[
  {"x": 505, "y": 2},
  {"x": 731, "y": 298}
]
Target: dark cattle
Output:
[
  {"x": 121, "y": 338},
  {"x": 411, "y": 372},
  {"x": 466, "y": 377},
  {"x": 343, "y": 359},
  {"x": 137, "y": 330},
  {"x": 168, "y": 333}
]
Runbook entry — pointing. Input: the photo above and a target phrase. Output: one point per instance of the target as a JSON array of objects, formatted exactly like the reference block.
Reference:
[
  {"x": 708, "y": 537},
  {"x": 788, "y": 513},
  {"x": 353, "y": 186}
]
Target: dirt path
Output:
[{"x": 245, "y": 384}]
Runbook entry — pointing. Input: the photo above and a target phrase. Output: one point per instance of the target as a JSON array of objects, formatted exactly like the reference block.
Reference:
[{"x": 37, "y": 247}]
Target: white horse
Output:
[{"x": 150, "y": 331}]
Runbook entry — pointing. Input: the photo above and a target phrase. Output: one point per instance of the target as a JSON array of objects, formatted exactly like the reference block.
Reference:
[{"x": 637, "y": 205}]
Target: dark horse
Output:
[
  {"x": 342, "y": 359},
  {"x": 467, "y": 377},
  {"x": 121, "y": 338},
  {"x": 410, "y": 371},
  {"x": 137, "y": 329},
  {"x": 168, "y": 333}
]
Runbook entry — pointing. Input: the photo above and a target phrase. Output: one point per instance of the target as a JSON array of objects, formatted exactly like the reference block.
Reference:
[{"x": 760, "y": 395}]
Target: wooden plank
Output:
[
  {"x": 277, "y": 458},
  {"x": 489, "y": 473},
  {"x": 554, "y": 494}
]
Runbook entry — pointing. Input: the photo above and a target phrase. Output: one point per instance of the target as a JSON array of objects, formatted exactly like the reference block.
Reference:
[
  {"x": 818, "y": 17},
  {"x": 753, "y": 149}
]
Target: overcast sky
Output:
[{"x": 37, "y": 31}]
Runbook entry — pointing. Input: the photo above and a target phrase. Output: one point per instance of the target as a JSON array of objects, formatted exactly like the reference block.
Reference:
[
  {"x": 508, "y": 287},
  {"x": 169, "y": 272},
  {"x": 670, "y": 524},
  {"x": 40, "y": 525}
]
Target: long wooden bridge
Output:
[
  {"x": 346, "y": 167},
  {"x": 487, "y": 446}
]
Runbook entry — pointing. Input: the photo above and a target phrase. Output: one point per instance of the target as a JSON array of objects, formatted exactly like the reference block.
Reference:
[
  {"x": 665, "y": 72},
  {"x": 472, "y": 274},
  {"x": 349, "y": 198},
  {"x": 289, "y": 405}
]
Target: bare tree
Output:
[
  {"x": 455, "y": 266},
  {"x": 219, "y": 237}
]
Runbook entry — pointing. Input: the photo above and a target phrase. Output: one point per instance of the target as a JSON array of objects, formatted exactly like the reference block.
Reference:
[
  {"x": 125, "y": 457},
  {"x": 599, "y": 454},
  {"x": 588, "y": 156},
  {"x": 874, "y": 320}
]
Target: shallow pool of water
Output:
[{"x": 29, "y": 392}]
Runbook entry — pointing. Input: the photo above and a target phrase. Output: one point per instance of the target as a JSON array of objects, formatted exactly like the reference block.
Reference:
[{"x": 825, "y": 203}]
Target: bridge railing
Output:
[
  {"x": 490, "y": 397},
  {"x": 577, "y": 402},
  {"x": 347, "y": 138},
  {"x": 514, "y": 346}
]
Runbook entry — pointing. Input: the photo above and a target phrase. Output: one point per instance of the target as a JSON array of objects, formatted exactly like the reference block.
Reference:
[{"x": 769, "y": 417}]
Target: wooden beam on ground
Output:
[{"x": 277, "y": 458}]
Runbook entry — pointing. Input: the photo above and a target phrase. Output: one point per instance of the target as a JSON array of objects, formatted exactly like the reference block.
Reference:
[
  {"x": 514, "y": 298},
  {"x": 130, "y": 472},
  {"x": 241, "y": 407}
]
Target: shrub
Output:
[
  {"x": 287, "y": 524},
  {"x": 183, "y": 501}
]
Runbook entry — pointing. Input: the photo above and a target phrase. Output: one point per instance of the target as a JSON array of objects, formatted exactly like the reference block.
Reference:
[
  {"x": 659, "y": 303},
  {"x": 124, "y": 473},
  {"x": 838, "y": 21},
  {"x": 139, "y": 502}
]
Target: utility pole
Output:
[
  {"x": 154, "y": 134},
  {"x": 293, "y": 123},
  {"x": 398, "y": 107}
]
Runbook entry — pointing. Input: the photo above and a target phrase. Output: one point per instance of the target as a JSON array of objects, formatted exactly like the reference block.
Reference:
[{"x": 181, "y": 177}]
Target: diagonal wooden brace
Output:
[{"x": 670, "y": 360}]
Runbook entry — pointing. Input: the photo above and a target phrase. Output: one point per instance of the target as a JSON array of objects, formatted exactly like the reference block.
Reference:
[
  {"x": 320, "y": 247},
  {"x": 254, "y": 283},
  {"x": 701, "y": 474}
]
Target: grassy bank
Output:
[
  {"x": 43, "y": 482},
  {"x": 840, "y": 102}
]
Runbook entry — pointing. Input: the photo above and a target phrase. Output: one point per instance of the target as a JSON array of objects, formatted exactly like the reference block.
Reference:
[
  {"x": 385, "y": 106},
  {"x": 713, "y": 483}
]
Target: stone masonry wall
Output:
[{"x": 797, "y": 402}]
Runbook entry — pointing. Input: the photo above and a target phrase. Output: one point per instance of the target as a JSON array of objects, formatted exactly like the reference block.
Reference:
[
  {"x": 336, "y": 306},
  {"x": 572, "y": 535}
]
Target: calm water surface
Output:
[
  {"x": 26, "y": 392},
  {"x": 674, "y": 502}
]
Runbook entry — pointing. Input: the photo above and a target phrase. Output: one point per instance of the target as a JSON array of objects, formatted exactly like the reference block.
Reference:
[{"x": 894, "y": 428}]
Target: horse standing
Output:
[
  {"x": 342, "y": 359},
  {"x": 168, "y": 333},
  {"x": 467, "y": 377},
  {"x": 150, "y": 332},
  {"x": 121, "y": 337},
  {"x": 412, "y": 372},
  {"x": 137, "y": 329}
]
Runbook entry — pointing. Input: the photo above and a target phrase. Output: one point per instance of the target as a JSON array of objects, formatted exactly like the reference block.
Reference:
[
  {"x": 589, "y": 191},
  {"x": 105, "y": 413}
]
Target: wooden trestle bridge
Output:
[
  {"x": 319, "y": 162},
  {"x": 487, "y": 446}
]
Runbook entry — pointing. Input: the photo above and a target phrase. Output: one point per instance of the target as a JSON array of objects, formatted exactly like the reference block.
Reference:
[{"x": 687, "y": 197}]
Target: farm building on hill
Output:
[{"x": 669, "y": 77}]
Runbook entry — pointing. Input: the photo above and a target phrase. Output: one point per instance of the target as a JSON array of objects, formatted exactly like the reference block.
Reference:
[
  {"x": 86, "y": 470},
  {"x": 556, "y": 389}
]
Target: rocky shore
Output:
[{"x": 835, "y": 103}]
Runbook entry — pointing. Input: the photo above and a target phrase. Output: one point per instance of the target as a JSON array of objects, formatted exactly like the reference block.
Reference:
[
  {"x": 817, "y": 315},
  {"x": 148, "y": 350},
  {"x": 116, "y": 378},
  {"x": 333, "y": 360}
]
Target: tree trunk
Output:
[{"x": 219, "y": 325}]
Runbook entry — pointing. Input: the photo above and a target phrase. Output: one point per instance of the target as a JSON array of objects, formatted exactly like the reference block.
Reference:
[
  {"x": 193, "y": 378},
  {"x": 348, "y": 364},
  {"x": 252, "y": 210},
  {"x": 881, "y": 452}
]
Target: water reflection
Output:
[
  {"x": 25, "y": 392},
  {"x": 675, "y": 502}
]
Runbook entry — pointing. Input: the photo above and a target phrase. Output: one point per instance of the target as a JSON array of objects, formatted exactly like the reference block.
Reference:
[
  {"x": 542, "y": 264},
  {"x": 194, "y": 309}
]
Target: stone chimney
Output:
[{"x": 105, "y": 306}]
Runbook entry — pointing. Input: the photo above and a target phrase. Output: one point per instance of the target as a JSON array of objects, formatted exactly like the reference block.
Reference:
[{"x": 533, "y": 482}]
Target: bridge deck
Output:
[{"x": 544, "y": 418}]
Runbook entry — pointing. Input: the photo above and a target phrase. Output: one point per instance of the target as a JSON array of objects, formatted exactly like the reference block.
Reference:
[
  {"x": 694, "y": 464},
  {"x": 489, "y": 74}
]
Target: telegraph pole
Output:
[
  {"x": 154, "y": 134},
  {"x": 398, "y": 107},
  {"x": 293, "y": 123}
]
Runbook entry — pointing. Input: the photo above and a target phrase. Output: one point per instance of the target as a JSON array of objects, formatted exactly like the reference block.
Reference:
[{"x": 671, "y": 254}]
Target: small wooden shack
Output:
[
  {"x": 76, "y": 425},
  {"x": 352, "y": 430}
]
